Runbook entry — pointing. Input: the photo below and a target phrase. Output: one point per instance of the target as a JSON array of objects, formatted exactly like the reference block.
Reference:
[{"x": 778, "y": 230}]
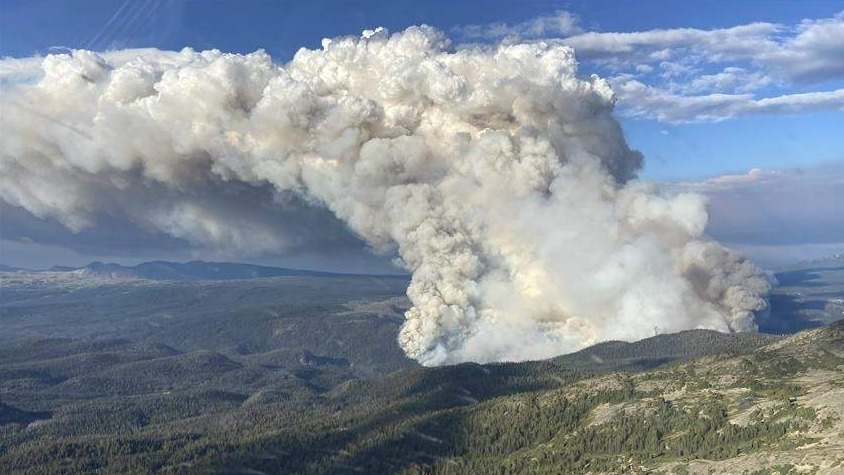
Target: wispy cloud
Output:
[
  {"x": 730, "y": 79},
  {"x": 753, "y": 177},
  {"x": 681, "y": 75},
  {"x": 560, "y": 23},
  {"x": 810, "y": 51},
  {"x": 660, "y": 44},
  {"x": 638, "y": 99}
]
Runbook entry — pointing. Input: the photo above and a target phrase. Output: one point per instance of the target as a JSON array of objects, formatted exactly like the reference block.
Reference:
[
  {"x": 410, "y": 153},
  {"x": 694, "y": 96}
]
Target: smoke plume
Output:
[{"x": 497, "y": 175}]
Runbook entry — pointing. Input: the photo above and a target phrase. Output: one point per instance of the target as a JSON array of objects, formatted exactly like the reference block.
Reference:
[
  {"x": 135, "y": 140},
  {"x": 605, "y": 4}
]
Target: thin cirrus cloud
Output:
[
  {"x": 560, "y": 23},
  {"x": 681, "y": 75},
  {"x": 641, "y": 100},
  {"x": 810, "y": 51}
]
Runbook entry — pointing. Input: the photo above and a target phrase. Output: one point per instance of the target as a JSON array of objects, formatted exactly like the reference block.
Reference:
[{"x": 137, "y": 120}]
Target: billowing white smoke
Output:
[{"x": 498, "y": 175}]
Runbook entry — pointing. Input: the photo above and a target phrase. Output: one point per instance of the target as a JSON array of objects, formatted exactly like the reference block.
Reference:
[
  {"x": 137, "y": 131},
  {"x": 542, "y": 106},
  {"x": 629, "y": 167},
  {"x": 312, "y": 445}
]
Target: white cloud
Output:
[
  {"x": 670, "y": 69},
  {"x": 738, "y": 41},
  {"x": 637, "y": 99},
  {"x": 561, "y": 23},
  {"x": 811, "y": 51},
  {"x": 730, "y": 79},
  {"x": 19, "y": 70},
  {"x": 694, "y": 75},
  {"x": 816, "y": 53}
]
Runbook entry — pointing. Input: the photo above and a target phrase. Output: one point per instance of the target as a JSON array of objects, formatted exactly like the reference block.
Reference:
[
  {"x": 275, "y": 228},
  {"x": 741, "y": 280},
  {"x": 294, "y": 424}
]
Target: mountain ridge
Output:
[
  {"x": 661, "y": 349},
  {"x": 190, "y": 270}
]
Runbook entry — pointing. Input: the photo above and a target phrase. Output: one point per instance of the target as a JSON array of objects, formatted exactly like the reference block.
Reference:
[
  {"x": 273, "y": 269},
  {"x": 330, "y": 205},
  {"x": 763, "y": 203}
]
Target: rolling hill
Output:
[
  {"x": 138, "y": 408},
  {"x": 301, "y": 374}
]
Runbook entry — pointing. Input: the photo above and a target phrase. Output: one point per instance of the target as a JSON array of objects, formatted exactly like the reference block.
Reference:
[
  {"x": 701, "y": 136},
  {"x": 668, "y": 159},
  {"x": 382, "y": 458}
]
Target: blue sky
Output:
[{"x": 705, "y": 88}]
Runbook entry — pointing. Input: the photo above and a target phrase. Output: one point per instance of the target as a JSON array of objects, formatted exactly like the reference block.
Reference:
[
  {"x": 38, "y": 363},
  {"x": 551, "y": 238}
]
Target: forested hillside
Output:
[
  {"x": 203, "y": 412},
  {"x": 302, "y": 375}
]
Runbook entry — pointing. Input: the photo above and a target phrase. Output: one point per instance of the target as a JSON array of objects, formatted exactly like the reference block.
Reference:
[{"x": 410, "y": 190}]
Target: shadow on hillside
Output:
[
  {"x": 406, "y": 419},
  {"x": 786, "y": 316}
]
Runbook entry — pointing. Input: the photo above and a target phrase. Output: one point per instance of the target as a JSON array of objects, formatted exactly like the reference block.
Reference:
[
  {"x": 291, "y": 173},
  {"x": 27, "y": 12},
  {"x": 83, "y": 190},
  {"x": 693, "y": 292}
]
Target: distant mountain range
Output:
[
  {"x": 833, "y": 260},
  {"x": 193, "y": 270}
]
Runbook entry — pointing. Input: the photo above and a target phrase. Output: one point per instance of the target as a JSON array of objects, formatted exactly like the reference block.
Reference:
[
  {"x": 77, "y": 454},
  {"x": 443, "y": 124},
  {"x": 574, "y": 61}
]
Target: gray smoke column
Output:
[{"x": 498, "y": 175}]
